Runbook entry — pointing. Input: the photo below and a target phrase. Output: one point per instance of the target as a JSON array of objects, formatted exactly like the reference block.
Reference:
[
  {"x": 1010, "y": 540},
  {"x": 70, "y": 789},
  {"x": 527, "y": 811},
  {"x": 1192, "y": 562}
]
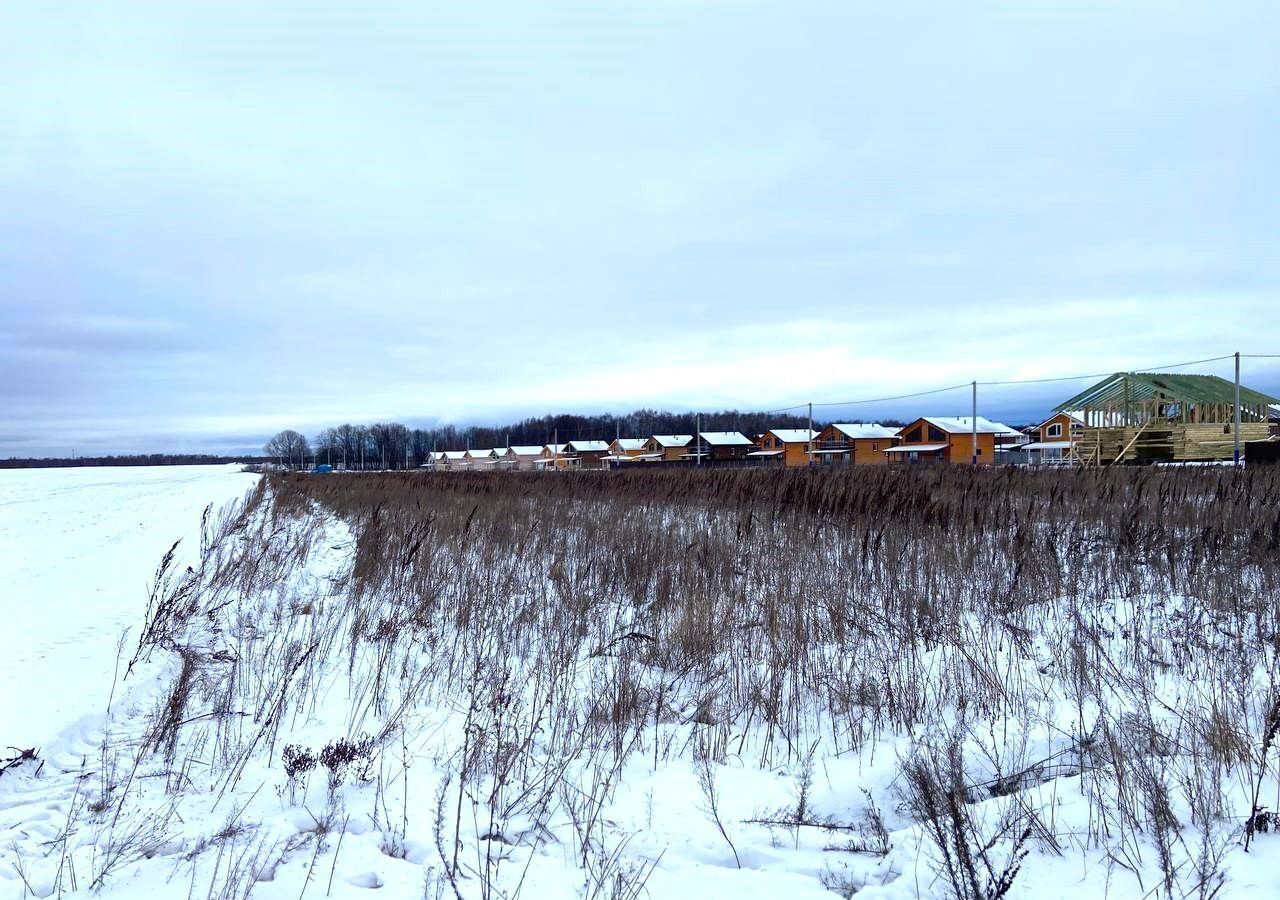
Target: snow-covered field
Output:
[
  {"x": 78, "y": 547},
  {"x": 364, "y": 683}
]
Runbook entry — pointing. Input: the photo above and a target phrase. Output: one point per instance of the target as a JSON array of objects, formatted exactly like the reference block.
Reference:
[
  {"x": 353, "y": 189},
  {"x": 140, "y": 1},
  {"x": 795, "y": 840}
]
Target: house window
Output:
[
  {"x": 875, "y": 447},
  {"x": 1054, "y": 430},
  {"x": 914, "y": 436},
  {"x": 936, "y": 436}
]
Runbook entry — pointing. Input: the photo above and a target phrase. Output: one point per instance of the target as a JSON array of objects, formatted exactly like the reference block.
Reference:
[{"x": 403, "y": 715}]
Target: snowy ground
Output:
[
  {"x": 77, "y": 551},
  {"x": 523, "y": 726}
]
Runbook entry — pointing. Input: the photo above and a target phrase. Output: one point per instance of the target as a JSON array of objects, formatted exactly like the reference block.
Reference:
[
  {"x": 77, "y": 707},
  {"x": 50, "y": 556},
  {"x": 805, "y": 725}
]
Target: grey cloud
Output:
[{"x": 216, "y": 221}]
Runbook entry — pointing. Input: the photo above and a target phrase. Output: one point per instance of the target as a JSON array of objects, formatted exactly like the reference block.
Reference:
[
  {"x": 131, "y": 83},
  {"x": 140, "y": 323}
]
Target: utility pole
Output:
[
  {"x": 810, "y": 462},
  {"x": 975, "y": 423},
  {"x": 697, "y": 439},
  {"x": 1236, "y": 426}
]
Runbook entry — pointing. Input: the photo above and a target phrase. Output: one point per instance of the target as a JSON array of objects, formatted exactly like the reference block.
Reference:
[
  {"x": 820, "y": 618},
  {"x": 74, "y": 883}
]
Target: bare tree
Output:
[{"x": 289, "y": 448}]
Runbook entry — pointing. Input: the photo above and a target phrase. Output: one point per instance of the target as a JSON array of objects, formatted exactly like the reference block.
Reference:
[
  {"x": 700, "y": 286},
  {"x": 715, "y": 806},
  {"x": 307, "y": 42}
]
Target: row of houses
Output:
[
  {"x": 1127, "y": 417},
  {"x": 929, "y": 439}
]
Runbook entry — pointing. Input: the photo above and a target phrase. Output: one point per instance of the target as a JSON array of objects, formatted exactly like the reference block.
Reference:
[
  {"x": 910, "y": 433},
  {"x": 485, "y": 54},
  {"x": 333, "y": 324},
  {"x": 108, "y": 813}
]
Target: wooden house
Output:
[
  {"x": 723, "y": 446},
  {"x": 481, "y": 460},
  {"x": 452, "y": 460},
  {"x": 668, "y": 447},
  {"x": 1165, "y": 417},
  {"x": 945, "y": 439},
  {"x": 785, "y": 446},
  {"x": 1055, "y": 439},
  {"x": 553, "y": 457},
  {"x": 627, "y": 447},
  {"x": 589, "y": 454},
  {"x": 630, "y": 450},
  {"x": 850, "y": 443},
  {"x": 522, "y": 458}
]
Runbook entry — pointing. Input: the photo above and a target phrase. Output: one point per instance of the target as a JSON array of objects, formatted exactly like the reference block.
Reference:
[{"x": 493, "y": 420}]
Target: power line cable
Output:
[
  {"x": 943, "y": 390},
  {"x": 1194, "y": 362}
]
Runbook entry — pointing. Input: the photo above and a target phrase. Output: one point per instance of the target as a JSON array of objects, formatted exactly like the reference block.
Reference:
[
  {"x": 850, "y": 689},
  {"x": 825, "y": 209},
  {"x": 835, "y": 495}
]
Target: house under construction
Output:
[{"x": 1155, "y": 417}]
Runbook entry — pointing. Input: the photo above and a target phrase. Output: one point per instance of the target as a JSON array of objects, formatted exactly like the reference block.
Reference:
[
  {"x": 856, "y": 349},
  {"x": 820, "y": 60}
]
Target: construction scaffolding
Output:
[{"x": 1158, "y": 416}]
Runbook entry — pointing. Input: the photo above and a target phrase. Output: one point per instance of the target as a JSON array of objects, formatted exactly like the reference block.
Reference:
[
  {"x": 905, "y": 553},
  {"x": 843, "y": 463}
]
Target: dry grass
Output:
[{"x": 757, "y": 613}]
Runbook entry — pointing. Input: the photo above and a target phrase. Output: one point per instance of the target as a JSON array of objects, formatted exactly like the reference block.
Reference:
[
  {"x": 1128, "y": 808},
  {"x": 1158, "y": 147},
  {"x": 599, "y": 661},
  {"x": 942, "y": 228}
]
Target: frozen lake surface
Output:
[{"x": 78, "y": 548}]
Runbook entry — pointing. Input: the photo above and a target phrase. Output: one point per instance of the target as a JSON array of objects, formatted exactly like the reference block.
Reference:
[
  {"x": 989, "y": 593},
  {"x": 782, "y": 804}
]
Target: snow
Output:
[
  {"x": 76, "y": 534},
  {"x": 1047, "y": 445},
  {"x": 79, "y": 549},
  {"x": 726, "y": 438},
  {"x": 630, "y": 443},
  {"x": 794, "y": 435},
  {"x": 588, "y": 446},
  {"x": 672, "y": 440},
  {"x": 964, "y": 425},
  {"x": 861, "y": 430}
]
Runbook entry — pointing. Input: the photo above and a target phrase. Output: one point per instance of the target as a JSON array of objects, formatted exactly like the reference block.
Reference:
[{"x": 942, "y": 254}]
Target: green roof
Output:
[{"x": 1189, "y": 389}]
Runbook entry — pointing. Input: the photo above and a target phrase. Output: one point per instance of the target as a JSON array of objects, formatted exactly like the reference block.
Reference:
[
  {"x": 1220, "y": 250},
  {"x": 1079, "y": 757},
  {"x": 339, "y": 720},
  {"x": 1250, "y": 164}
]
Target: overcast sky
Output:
[{"x": 218, "y": 220}]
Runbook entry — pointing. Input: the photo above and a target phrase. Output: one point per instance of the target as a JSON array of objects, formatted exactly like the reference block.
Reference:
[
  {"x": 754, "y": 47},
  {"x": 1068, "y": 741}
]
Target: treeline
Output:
[
  {"x": 391, "y": 445},
  {"x": 136, "y": 459}
]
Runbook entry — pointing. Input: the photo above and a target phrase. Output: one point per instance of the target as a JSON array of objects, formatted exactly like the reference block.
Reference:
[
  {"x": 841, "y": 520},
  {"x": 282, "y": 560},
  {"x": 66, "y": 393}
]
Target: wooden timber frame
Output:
[{"x": 1145, "y": 417}]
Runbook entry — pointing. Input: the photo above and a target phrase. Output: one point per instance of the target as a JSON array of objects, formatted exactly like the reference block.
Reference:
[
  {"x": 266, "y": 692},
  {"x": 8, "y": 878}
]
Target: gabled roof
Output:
[
  {"x": 964, "y": 425},
  {"x": 1175, "y": 388},
  {"x": 672, "y": 440},
  {"x": 455, "y": 454},
  {"x": 588, "y": 446},
  {"x": 1076, "y": 416},
  {"x": 858, "y": 431},
  {"x": 986, "y": 426},
  {"x": 793, "y": 435},
  {"x": 630, "y": 443},
  {"x": 524, "y": 450},
  {"x": 726, "y": 439},
  {"x": 556, "y": 448},
  {"x": 480, "y": 454}
]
